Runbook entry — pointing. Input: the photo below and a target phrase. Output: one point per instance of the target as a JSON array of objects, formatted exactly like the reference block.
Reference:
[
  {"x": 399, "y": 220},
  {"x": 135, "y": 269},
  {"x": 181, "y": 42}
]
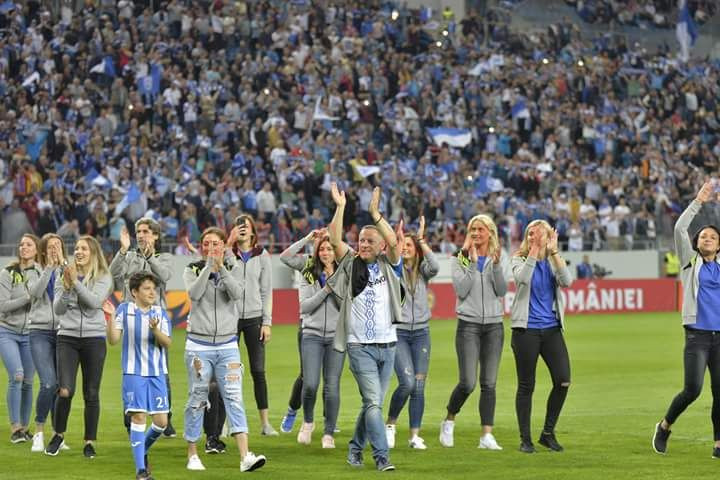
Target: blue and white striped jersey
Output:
[{"x": 141, "y": 355}]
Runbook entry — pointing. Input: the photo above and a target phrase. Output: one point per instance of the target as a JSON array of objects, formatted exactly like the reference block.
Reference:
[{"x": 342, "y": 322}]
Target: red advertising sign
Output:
[{"x": 584, "y": 296}]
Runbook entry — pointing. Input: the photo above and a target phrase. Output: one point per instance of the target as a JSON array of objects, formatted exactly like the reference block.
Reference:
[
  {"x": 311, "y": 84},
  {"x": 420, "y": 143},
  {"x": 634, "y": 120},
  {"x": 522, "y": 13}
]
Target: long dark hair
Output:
[
  {"x": 419, "y": 257},
  {"x": 240, "y": 220},
  {"x": 314, "y": 267}
]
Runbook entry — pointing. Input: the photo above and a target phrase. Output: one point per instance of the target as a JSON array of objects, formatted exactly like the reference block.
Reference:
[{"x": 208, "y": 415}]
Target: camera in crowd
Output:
[{"x": 599, "y": 271}]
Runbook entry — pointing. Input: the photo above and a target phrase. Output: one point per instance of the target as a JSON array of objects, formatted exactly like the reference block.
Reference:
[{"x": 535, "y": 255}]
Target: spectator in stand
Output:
[{"x": 583, "y": 269}]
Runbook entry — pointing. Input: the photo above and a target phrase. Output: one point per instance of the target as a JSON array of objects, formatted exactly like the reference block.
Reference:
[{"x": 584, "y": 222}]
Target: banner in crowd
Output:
[{"x": 584, "y": 296}]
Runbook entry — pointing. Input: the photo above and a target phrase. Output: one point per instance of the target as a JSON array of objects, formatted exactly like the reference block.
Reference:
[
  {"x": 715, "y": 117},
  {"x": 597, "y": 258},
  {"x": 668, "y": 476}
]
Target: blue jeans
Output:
[
  {"x": 371, "y": 365},
  {"x": 42, "y": 347},
  {"x": 15, "y": 352},
  {"x": 412, "y": 358},
  {"x": 223, "y": 364},
  {"x": 317, "y": 353}
]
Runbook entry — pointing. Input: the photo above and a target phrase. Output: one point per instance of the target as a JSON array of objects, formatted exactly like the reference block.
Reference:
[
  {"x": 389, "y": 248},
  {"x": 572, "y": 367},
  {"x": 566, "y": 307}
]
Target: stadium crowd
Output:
[
  {"x": 642, "y": 13},
  {"x": 197, "y": 111}
]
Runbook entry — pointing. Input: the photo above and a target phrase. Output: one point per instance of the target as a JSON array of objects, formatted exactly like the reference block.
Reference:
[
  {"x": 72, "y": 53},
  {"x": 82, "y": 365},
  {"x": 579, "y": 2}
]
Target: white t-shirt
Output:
[{"x": 371, "y": 314}]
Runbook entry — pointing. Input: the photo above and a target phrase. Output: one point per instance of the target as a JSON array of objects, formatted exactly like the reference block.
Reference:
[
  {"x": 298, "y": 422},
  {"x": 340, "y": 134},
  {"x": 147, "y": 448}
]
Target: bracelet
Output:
[
  {"x": 421, "y": 240},
  {"x": 554, "y": 253},
  {"x": 378, "y": 220}
]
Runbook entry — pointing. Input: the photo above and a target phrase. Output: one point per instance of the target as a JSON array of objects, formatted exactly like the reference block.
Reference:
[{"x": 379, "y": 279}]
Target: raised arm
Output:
[
  {"x": 311, "y": 300},
  {"x": 683, "y": 247},
  {"x": 386, "y": 231},
  {"x": 429, "y": 266},
  {"x": 562, "y": 272},
  {"x": 196, "y": 284},
  {"x": 6, "y": 303},
  {"x": 37, "y": 287},
  {"x": 336, "y": 225},
  {"x": 161, "y": 266},
  {"x": 292, "y": 257},
  {"x": 94, "y": 296}
]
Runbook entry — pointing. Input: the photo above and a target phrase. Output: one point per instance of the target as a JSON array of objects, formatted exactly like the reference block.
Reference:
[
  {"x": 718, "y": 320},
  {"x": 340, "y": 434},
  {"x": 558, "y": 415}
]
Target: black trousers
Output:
[
  {"x": 296, "y": 394},
  {"x": 529, "y": 344},
  {"x": 214, "y": 417},
  {"x": 89, "y": 355},
  {"x": 249, "y": 329},
  {"x": 702, "y": 349}
]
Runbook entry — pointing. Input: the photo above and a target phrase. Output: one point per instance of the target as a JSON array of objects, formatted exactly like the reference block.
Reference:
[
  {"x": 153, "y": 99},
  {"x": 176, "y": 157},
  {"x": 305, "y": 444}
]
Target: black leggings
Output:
[
  {"x": 527, "y": 345},
  {"x": 249, "y": 329},
  {"x": 89, "y": 354},
  {"x": 296, "y": 394},
  {"x": 214, "y": 417},
  {"x": 702, "y": 349}
]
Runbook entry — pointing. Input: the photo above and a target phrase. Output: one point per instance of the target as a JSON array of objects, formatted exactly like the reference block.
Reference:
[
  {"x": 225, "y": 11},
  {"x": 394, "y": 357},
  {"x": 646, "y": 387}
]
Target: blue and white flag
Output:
[
  {"x": 487, "y": 184},
  {"x": 520, "y": 110},
  {"x": 686, "y": 31},
  {"x": 105, "y": 67},
  {"x": 150, "y": 84},
  {"x": 133, "y": 195},
  {"x": 455, "y": 137}
]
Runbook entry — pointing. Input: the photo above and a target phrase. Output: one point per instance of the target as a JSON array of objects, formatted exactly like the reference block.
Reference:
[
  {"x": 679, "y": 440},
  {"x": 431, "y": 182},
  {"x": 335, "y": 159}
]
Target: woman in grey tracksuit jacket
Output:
[
  {"x": 214, "y": 286},
  {"x": 14, "y": 335},
  {"x": 255, "y": 307},
  {"x": 700, "y": 270},
  {"x": 78, "y": 300},
  {"x": 412, "y": 353},
  {"x": 44, "y": 325},
  {"x": 480, "y": 285},
  {"x": 537, "y": 319},
  {"x": 319, "y": 313}
]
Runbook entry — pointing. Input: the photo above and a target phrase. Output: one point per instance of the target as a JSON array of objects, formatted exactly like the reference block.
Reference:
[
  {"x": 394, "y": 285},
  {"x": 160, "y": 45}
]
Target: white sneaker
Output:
[
  {"x": 194, "y": 463},
  {"x": 268, "y": 431},
  {"x": 252, "y": 462},
  {"x": 38, "y": 444},
  {"x": 488, "y": 441},
  {"x": 64, "y": 446},
  {"x": 447, "y": 427},
  {"x": 304, "y": 436},
  {"x": 390, "y": 435},
  {"x": 328, "y": 441},
  {"x": 417, "y": 442}
]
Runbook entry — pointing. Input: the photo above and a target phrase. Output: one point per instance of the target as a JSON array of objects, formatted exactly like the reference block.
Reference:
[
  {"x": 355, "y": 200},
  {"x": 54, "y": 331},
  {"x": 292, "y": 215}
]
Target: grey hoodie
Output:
[
  {"x": 523, "y": 268},
  {"x": 123, "y": 266},
  {"x": 15, "y": 298},
  {"x": 319, "y": 310},
  {"x": 256, "y": 299},
  {"x": 80, "y": 309},
  {"x": 479, "y": 294},
  {"x": 416, "y": 309},
  {"x": 213, "y": 315},
  {"x": 42, "y": 313}
]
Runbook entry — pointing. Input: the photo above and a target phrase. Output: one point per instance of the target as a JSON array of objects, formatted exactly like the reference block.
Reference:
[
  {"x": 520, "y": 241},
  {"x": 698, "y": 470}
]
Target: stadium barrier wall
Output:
[{"x": 583, "y": 296}]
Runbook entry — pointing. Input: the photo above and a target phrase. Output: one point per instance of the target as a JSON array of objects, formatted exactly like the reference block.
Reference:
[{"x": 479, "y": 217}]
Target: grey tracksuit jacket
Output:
[
  {"x": 416, "y": 309},
  {"x": 80, "y": 308}
]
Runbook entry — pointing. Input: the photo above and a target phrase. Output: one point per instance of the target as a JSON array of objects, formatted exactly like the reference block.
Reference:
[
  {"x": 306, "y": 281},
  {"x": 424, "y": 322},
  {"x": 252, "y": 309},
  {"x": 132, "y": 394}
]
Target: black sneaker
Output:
[
  {"x": 660, "y": 439},
  {"x": 28, "y": 435},
  {"x": 89, "y": 450},
  {"x": 384, "y": 465},
  {"x": 716, "y": 452},
  {"x": 18, "y": 436},
  {"x": 143, "y": 475},
  {"x": 56, "y": 443},
  {"x": 169, "y": 431},
  {"x": 548, "y": 440},
  {"x": 214, "y": 445},
  {"x": 526, "y": 446},
  {"x": 355, "y": 459}
]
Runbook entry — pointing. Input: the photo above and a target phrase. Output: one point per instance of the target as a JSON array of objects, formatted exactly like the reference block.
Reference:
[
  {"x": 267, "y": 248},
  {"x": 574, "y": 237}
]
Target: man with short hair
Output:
[
  {"x": 368, "y": 286},
  {"x": 144, "y": 258}
]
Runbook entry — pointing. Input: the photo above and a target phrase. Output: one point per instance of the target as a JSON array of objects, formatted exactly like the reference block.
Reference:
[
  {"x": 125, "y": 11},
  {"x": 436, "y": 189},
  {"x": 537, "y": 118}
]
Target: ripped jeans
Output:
[{"x": 224, "y": 364}]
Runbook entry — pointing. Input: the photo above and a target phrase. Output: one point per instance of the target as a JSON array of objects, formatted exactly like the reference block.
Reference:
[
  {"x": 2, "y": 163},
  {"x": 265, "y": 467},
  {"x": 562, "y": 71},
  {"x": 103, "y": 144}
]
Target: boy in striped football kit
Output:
[{"x": 144, "y": 328}]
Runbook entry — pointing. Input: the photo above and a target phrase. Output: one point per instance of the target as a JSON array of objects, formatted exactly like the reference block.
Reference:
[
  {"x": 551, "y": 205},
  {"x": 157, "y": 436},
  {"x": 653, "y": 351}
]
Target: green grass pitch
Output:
[{"x": 625, "y": 371}]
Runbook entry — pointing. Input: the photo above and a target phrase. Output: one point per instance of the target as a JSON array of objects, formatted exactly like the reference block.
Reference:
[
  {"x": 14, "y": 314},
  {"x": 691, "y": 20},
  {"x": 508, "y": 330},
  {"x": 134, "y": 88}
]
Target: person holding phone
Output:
[
  {"x": 700, "y": 277},
  {"x": 255, "y": 308},
  {"x": 536, "y": 317},
  {"x": 214, "y": 285}
]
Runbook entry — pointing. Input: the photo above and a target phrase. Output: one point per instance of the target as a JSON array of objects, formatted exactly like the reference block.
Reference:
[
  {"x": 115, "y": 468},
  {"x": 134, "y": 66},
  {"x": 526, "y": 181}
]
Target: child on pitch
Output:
[{"x": 144, "y": 328}]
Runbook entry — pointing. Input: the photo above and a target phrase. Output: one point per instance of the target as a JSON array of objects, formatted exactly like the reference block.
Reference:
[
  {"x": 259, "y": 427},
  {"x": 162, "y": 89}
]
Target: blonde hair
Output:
[
  {"x": 487, "y": 221},
  {"x": 524, "y": 247},
  {"x": 98, "y": 265}
]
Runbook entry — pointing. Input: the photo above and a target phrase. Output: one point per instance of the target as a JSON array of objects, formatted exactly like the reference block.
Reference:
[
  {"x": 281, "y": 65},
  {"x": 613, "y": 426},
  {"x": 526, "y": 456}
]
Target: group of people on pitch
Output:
[{"x": 371, "y": 303}]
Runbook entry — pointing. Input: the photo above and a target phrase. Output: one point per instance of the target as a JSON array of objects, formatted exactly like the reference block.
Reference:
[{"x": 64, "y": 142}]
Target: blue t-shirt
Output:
[
  {"x": 708, "y": 297},
  {"x": 481, "y": 263},
  {"x": 245, "y": 255},
  {"x": 542, "y": 297}
]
